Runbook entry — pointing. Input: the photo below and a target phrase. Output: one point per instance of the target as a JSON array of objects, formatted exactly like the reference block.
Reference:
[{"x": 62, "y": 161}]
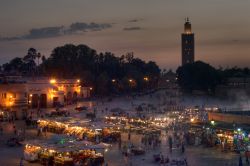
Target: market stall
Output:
[
  {"x": 31, "y": 152},
  {"x": 66, "y": 152},
  {"x": 83, "y": 132}
]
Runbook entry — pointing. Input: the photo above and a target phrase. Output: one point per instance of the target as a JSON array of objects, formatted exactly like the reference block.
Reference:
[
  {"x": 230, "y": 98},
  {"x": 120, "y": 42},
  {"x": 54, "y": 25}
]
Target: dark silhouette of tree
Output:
[
  {"x": 198, "y": 76},
  {"x": 29, "y": 60},
  {"x": 16, "y": 66},
  {"x": 98, "y": 70}
]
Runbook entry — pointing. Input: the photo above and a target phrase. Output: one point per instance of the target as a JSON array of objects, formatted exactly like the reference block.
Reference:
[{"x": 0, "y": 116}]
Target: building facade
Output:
[
  {"x": 45, "y": 93},
  {"x": 229, "y": 118},
  {"x": 16, "y": 96},
  {"x": 187, "y": 39},
  {"x": 13, "y": 98}
]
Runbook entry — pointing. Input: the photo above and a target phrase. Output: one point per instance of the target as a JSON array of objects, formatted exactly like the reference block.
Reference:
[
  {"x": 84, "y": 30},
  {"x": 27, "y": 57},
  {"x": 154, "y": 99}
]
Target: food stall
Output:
[
  {"x": 110, "y": 135},
  {"x": 31, "y": 152},
  {"x": 46, "y": 156},
  {"x": 83, "y": 132},
  {"x": 63, "y": 153},
  {"x": 64, "y": 157}
]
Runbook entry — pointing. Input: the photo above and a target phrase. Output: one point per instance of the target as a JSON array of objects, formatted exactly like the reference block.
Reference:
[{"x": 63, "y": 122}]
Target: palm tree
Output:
[
  {"x": 38, "y": 56},
  {"x": 29, "y": 59}
]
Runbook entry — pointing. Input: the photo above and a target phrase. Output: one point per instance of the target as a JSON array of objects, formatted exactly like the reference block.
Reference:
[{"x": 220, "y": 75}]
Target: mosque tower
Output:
[{"x": 187, "y": 43}]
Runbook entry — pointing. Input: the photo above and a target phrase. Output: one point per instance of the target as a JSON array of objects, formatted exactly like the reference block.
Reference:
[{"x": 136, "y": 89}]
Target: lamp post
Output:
[
  {"x": 10, "y": 103},
  {"x": 30, "y": 100},
  {"x": 146, "y": 79}
]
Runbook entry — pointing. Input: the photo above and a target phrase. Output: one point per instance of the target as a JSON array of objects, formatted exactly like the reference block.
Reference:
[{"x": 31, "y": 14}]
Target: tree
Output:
[
  {"x": 198, "y": 76},
  {"x": 95, "y": 70},
  {"x": 29, "y": 59},
  {"x": 16, "y": 65}
]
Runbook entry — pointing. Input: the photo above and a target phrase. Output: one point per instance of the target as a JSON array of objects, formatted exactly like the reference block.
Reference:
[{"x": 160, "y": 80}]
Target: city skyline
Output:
[{"x": 152, "y": 30}]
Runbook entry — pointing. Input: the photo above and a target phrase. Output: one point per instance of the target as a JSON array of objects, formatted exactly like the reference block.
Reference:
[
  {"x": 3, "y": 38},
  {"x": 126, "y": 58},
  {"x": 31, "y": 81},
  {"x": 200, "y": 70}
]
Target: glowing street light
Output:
[
  {"x": 90, "y": 88},
  {"x": 145, "y": 78},
  {"x": 130, "y": 80},
  {"x": 212, "y": 122},
  {"x": 113, "y": 80},
  {"x": 192, "y": 120},
  {"x": 78, "y": 81},
  {"x": 52, "y": 81}
]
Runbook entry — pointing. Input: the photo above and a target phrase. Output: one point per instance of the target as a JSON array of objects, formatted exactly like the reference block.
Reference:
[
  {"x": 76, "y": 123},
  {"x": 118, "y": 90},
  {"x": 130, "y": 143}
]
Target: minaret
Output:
[{"x": 187, "y": 43}]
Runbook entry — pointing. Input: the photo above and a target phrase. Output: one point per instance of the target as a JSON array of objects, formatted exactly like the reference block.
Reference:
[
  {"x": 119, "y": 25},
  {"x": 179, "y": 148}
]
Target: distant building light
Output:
[{"x": 78, "y": 81}]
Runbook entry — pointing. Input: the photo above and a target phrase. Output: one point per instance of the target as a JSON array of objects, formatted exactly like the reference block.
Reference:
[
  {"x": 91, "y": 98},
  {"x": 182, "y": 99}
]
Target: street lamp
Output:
[
  {"x": 52, "y": 81},
  {"x": 113, "y": 80},
  {"x": 145, "y": 78},
  {"x": 30, "y": 100}
]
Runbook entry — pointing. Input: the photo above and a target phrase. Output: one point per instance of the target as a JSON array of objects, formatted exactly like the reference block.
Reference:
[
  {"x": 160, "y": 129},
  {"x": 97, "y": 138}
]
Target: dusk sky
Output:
[{"x": 149, "y": 28}]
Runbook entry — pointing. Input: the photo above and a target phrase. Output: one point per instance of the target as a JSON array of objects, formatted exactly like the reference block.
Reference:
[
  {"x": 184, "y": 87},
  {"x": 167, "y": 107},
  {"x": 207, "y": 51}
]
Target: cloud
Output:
[
  {"x": 226, "y": 41},
  {"x": 85, "y": 27},
  {"x": 47, "y": 32},
  {"x": 135, "y": 20},
  {"x": 44, "y": 32},
  {"x": 132, "y": 28}
]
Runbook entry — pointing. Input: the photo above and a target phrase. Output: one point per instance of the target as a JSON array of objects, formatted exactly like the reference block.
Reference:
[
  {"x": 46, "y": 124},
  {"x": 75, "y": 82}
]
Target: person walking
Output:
[
  {"x": 240, "y": 161},
  {"x": 1, "y": 129},
  {"x": 21, "y": 162},
  {"x": 170, "y": 142},
  {"x": 119, "y": 143},
  {"x": 185, "y": 161},
  {"x": 247, "y": 161},
  {"x": 14, "y": 129},
  {"x": 38, "y": 131},
  {"x": 182, "y": 148},
  {"x": 129, "y": 135}
]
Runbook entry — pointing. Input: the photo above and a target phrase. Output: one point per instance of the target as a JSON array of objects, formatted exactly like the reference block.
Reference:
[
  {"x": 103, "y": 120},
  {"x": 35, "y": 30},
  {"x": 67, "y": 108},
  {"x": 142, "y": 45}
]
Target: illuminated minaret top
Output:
[
  {"x": 187, "y": 27},
  {"x": 187, "y": 43}
]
